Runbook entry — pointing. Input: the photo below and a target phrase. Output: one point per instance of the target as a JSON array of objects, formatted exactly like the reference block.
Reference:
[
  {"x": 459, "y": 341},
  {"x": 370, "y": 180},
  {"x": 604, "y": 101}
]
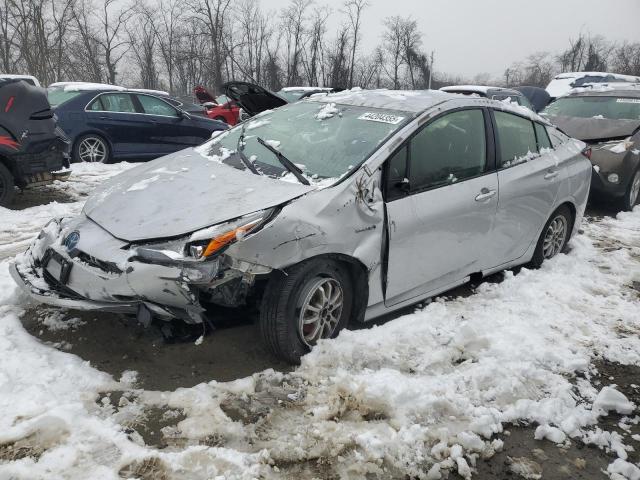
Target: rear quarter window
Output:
[
  {"x": 556, "y": 136},
  {"x": 542, "y": 136}
]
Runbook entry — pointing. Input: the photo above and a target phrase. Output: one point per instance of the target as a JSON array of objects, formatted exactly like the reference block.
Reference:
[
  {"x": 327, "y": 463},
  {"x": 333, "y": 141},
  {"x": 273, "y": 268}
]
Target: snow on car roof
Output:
[
  {"x": 11, "y": 76},
  {"x": 573, "y": 75},
  {"x": 404, "y": 100},
  {"x": 306, "y": 89},
  {"x": 160, "y": 93},
  {"x": 469, "y": 88},
  {"x": 607, "y": 90},
  {"x": 84, "y": 86}
]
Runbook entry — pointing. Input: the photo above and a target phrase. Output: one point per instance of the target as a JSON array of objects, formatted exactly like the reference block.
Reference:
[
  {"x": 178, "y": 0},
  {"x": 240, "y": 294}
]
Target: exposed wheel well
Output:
[
  {"x": 572, "y": 209},
  {"x": 359, "y": 275}
]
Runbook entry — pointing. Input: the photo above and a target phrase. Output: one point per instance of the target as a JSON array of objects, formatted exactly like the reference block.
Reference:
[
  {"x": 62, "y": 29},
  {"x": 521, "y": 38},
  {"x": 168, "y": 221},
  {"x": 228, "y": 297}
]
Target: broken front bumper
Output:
[{"x": 76, "y": 264}]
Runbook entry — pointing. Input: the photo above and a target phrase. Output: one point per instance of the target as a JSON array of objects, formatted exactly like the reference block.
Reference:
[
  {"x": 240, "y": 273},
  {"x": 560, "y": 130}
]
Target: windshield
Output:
[
  {"x": 291, "y": 95},
  {"x": 57, "y": 96},
  {"x": 324, "y": 140},
  {"x": 614, "y": 108}
]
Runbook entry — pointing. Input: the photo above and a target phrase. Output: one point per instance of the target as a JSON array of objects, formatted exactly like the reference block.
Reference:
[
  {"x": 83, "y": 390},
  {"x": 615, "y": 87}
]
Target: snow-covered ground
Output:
[{"x": 420, "y": 396}]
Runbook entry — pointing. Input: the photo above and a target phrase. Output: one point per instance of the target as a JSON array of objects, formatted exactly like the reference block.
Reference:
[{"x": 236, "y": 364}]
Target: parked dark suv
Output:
[
  {"x": 31, "y": 146},
  {"x": 107, "y": 123}
]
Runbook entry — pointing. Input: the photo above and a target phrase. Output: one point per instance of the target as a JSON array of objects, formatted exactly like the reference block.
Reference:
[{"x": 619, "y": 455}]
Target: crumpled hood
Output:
[
  {"x": 181, "y": 193},
  {"x": 590, "y": 129}
]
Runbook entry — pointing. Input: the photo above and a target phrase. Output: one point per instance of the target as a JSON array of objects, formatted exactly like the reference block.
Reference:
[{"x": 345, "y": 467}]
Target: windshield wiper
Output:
[
  {"x": 286, "y": 163},
  {"x": 240, "y": 149}
]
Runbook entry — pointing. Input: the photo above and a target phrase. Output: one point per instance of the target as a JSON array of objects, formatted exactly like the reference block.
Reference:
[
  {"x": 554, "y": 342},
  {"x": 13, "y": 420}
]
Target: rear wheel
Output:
[
  {"x": 554, "y": 237},
  {"x": 92, "y": 149},
  {"x": 632, "y": 195},
  {"x": 7, "y": 186},
  {"x": 312, "y": 301}
]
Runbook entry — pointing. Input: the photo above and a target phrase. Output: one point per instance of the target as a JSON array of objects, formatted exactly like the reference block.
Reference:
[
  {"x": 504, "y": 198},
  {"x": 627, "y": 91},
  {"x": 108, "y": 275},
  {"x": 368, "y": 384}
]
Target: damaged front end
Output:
[{"x": 74, "y": 263}]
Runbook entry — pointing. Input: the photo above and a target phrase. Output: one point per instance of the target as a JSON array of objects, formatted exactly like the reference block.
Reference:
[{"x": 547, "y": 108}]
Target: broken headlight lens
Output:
[{"x": 206, "y": 243}]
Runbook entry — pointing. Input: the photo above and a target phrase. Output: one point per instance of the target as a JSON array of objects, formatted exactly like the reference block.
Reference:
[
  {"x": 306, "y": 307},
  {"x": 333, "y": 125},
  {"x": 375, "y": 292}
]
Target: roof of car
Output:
[
  {"x": 574, "y": 75},
  {"x": 607, "y": 90},
  {"x": 480, "y": 89},
  {"x": 306, "y": 89},
  {"x": 414, "y": 101},
  {"x": 405, "y": 100}
]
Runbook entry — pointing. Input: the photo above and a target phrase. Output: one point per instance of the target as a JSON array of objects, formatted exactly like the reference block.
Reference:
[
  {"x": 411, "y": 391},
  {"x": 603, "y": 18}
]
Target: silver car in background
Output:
[{"x": 337, "y": 208}]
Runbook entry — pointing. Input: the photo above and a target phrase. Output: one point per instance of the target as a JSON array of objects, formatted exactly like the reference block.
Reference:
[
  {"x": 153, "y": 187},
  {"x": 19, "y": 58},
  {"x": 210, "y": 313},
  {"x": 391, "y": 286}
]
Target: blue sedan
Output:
[{"x": 106, "y": 123}]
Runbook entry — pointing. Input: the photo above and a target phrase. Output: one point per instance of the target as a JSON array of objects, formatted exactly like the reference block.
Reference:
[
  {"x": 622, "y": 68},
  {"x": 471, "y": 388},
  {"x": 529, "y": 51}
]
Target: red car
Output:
[
  {"x": 220, "y": 108},
  {"x": 240, "y": 97}
]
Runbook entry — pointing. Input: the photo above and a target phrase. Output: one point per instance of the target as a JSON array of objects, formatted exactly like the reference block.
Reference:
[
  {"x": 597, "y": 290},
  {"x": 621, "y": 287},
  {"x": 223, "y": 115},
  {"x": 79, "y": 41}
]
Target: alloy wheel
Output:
[
  {"x": 320, "y": 310},
  {"x": 92, "y": 149},
  {"x": 555, "y": 237}
]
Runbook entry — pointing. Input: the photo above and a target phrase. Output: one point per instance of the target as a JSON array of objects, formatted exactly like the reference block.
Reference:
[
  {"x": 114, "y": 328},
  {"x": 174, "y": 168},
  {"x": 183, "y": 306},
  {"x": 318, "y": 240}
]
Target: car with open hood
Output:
[
  {"x": 241, "y": 100},
  {"x": 608, "y": 119},
  {"x": 33, "y": 149},
  {"x": 341, "y": 207}
]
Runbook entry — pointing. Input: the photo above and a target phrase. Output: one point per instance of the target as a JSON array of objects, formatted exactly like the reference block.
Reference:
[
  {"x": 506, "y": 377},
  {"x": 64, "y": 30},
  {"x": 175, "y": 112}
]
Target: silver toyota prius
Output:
[{"x": 338, "y": 208}]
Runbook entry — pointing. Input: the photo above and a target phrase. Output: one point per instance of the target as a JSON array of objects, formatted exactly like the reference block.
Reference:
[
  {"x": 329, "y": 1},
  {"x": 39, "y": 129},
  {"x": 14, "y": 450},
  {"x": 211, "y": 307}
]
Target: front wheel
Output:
[
  {"x": 92, "y": 149},
  {"x": 554, "y": 237},
  {"x": 310, "y": 302},
  {"x": 632, "y": 194}
]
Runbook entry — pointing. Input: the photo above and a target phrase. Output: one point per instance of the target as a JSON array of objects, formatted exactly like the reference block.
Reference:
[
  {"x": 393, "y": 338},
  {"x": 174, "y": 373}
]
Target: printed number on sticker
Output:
[{"x": 381, "y": 117}]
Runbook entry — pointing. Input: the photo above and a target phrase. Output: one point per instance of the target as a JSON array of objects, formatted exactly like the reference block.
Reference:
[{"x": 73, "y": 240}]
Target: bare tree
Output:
[
  {"x": 626, "y": 59},
  {"x": 293, "y": 18},
  {"x": 354, "y": 9}
]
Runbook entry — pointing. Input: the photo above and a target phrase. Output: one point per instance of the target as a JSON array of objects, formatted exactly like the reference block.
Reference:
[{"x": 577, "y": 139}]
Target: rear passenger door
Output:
[
  {"x": 529, "y": 177},
  {"x": 117, "y": 115}
]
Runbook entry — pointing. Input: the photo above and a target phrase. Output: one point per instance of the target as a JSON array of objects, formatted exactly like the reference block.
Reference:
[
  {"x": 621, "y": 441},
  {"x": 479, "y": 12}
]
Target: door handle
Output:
[
  {"x": 104, "y": 117},
  {"x": 551, "y": 174},
  {"x": 485, "y": 194}
]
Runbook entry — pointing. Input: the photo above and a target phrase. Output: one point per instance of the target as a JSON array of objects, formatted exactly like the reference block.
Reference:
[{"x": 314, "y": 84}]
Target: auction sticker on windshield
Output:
[
  {"x": 628, "y": 100},
  {"x": 381, "y": 117}
]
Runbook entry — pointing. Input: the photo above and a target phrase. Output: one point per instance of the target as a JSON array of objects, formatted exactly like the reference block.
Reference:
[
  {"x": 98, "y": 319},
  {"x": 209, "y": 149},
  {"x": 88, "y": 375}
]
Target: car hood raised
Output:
[
  {"x": 181, "y": 193},
  {"x": 595, "y": 129}
]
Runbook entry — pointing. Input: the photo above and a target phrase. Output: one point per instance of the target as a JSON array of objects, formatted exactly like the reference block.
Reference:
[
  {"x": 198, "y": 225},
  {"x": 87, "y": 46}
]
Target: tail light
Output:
[{"x": 587, "y": 152}]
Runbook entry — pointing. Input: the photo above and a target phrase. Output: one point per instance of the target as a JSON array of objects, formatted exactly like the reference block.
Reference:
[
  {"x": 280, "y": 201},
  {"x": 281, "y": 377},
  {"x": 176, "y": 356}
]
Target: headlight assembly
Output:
[{"x": 213, "y": 240}]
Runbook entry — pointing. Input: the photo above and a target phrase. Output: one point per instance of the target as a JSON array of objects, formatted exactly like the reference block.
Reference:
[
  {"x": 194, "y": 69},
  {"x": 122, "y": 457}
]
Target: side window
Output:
[
  {"x": 117, "y": 102},
  {"x": 96, "y": 105},
  {"x": 516, "y": 137},
  {"x": 155, "y": 106},
  {"x": 396, "y": 174},
  {"x": 450, "y": 149},
  {"x": 543, "y": 138}
]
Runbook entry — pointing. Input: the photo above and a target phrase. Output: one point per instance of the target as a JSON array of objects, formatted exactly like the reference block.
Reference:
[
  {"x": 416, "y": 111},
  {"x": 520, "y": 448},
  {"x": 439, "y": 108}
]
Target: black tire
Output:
[
  {"x": 628, "y": 202},
  {"x": 7, "y": 186},
  {"x": 91, "y": 137},
  {"x": 540, "y": 255},
  {"x": 280, "y": 310}
]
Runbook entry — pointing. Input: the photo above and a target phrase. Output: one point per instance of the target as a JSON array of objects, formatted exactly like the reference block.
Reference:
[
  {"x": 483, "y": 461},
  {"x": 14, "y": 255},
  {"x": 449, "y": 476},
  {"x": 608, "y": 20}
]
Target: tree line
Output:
[{"x": 177, "y": 44}]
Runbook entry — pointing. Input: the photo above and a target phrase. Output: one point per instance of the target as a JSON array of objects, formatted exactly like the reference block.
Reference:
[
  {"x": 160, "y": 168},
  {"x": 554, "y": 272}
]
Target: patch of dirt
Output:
[{"x": 151, "y": 468}]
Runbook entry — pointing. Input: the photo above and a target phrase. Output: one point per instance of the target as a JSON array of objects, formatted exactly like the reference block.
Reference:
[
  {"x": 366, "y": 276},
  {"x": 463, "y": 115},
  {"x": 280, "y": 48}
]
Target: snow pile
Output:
[
  {"x": 611, "y": 400},
  {"x": 327, "y": 111},
  {"x": 420, "y": 396}
]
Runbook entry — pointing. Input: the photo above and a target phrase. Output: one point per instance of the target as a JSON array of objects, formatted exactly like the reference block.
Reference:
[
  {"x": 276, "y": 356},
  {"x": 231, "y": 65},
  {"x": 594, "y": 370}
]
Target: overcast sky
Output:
[{"x": 486, "y": 36}]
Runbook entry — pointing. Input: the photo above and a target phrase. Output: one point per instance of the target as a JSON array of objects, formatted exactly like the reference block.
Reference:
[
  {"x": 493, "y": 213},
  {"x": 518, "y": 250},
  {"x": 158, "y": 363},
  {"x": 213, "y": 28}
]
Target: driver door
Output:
[{"x": 442, "y": 197}]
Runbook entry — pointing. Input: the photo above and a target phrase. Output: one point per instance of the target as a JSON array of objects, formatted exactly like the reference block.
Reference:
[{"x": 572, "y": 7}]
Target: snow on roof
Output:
[
  {"x": 404, "y": 100},
  {"x": 160, "y": 93},
  {"x": 84, "y": 86},
  {"x": 468, "y": 88},
  {"x": 11, "y": 76},
  {"x": 306, "y": 89},
  {"x": 573, "y": 75},
  {"x": 607, "y": 89}
]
